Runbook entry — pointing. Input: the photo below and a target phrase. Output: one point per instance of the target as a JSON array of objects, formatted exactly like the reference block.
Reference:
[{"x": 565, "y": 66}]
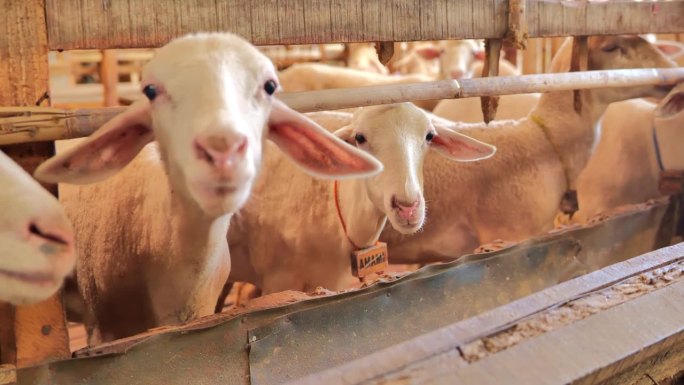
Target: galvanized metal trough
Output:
[{"x": 299, "y": 338}]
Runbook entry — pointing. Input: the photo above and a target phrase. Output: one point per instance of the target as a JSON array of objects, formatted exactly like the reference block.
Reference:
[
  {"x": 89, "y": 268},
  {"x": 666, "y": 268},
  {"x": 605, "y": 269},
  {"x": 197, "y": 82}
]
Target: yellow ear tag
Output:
[{"x": 374, "y": 259}]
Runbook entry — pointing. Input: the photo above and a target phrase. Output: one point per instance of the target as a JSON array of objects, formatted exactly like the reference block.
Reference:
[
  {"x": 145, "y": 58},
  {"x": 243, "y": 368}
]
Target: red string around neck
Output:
[{"x": 339, "y": 214}]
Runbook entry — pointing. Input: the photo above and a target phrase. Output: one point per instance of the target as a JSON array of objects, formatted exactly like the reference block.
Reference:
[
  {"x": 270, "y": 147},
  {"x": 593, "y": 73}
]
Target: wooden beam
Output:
[
  {"x": 80, "y": 24},
  {"x": 109, "y": 76},
  {"x": 36, "y": 333}
]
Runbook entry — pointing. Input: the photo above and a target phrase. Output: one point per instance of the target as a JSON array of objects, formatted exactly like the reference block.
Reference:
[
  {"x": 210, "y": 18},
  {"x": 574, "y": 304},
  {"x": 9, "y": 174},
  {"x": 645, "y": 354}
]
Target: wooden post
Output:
[
  {"x": 109, "y": 76},
  {"x": 28, "y": 334},
  {"x": 490, "y": 104}
]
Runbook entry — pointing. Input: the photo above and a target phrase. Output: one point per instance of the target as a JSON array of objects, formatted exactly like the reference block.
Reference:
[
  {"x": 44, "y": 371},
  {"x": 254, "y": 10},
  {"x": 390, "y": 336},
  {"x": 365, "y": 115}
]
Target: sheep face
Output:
[
  {"x": 456, "y": 57},
  {"x": 36, "y": 239},
  {"x": 618, "y": 52},
  {"x": 400, "y": 136},
  {"x": 210, "y": 121},
  {"x": 209, "y": 104}
]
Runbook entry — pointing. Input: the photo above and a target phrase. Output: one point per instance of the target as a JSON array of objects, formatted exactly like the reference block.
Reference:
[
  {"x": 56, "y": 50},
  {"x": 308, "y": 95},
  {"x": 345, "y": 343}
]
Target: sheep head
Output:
[
  {"x": 209, "y": 104},
  {"x": 36, "y": 239}
]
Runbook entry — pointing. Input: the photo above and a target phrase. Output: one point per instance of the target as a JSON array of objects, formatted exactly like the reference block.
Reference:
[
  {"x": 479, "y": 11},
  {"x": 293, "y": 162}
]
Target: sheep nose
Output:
[
  {"x": 221, "y": 152},
  {"x": 404, "y": 209},
  {"x": 456, "y": 74},
  {"x": 55, "y": 238}
]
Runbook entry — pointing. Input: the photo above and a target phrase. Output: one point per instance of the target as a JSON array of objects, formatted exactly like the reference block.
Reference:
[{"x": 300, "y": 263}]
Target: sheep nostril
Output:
[
  {"x": 202, "y": 153},
  {"x": 35, "y": 230}
]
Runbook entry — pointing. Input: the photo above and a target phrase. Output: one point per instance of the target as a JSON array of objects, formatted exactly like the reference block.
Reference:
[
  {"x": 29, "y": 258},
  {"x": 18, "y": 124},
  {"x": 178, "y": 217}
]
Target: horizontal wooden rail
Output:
[
  {"x": 503, "y": 85},
  {"x": 80, "y": 24},
  {"x": 34, "y": 124}
]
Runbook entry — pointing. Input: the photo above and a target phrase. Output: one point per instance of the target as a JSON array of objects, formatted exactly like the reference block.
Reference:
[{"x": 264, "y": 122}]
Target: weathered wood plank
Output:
[
  {"x": 39, "y": 331},
  {"x": 590, "y": 351},
  {"x": 553, "y": 19},
  {"x": 74, "y": 24}
]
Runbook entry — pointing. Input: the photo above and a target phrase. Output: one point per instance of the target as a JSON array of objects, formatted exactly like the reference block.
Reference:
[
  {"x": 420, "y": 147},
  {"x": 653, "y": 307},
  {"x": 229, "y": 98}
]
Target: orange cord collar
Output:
[{"x": 339, "y": 214}]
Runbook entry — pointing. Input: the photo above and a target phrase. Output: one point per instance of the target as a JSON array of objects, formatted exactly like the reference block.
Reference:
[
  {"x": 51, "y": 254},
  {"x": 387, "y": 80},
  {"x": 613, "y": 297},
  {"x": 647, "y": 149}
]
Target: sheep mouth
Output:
[
  {"x": 402, "y": 224},
  {"x": 218, "y": 190},
  {"x": 33, "y": 278}
]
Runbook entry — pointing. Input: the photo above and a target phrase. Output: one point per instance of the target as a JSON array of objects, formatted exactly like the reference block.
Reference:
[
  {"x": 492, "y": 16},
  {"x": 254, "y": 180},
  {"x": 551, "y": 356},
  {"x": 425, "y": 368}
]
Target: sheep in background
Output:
[
  {"x": 468, "y": 110},
  {"x": 449, "y": 59},
  {"x": 516, "y": 194},
  {"x": 363, "y": 56},
  {"x": 314, "y": 76},
  {"x": 36, "y": 239},
  {"x": 152, "y": 237},
  {"x": 625, "y": 168},
  {"x": 290, "y": 235}
]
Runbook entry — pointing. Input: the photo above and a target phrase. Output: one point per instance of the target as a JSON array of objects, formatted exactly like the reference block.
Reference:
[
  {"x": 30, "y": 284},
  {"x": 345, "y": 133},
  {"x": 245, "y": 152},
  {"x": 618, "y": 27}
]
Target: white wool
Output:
[
  {"x": 363, "y": 56},
  {"x": 289, "y": 235},
  {"x": 469, "y": 110},
  {"x": 153, "y": 235},
  {"x": 516, "y": 194},
  {"x": 624, "y": 168},
  {"x": 36, "y": 239},
  {"x": 314, "y": 76}
]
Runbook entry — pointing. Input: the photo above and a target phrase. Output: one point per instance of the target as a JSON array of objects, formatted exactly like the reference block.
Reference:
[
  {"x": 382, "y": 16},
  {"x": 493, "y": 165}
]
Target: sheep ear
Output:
[
  {"x": 672, "y": 49},
  {"x": 671, "y": 105},
  {"x": 346, "y": 134},
  {"x": 316, "y": 150},
  {"x": 459, "y": 147},
  {"x": 105, "y": 152},
  {"x": 429, "y": 52},
  {"x": 479, "y": 54}
]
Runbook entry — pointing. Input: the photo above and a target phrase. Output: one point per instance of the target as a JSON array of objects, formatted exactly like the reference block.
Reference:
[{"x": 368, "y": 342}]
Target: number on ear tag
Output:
[{"x": 371, "y": 260}]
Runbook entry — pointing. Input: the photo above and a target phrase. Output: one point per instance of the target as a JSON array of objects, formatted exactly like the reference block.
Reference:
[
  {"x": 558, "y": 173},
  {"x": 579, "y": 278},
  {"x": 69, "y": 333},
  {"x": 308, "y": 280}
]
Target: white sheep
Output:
[
  {"x": 153, "y": 247},
  {"x": 449, "y": 59},
  {"x": 516, "y": 106},
  {"x": 293, "y": 236},
  {"x": 516, "y": 194},
  {"x": 314, "y": 76},
  {"x": 625, "y": 168},
  {"x": 469, "y": 110},
  {"x": 364, "y": 56},
  {"x": 36, "y": 239}
]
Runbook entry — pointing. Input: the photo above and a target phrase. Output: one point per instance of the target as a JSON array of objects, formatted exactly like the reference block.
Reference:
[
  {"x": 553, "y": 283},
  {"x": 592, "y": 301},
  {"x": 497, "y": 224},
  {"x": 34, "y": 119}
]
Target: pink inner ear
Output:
[
  {"x": 670, "y": 49},
  {"x": 105, "y": 152},
  {"x": 429, "y": 53},
  {"x": 479, "y": 55},
  {"x": 456, "y": 146},
  {"x": 315, "y": 151},
  {"x": 111, "y": 147}
]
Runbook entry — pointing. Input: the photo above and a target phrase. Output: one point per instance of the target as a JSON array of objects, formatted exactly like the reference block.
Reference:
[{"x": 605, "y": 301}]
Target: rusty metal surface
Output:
[{"x": 275, "y": 345}]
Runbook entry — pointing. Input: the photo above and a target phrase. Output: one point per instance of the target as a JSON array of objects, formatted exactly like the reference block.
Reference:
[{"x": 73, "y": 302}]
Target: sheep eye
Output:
[
  {"x": 270, "y": 87},
  {"x": 150, "y": 91},
  {"x": 360, "y": 139},
  {"x": 429, "y": 136},
  {"x": 610, "y": 48}
]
